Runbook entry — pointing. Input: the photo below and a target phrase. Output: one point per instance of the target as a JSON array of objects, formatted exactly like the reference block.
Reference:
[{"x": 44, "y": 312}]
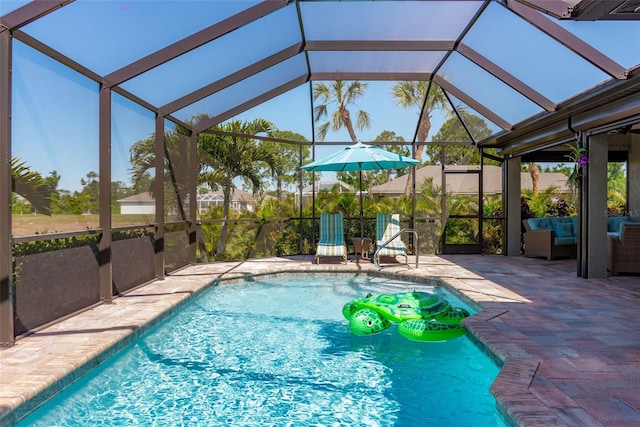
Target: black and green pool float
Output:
[{"x": 421, "y": 316}]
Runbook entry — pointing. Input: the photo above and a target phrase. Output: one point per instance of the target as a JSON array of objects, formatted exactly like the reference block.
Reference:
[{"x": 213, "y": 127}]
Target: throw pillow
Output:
[{"x": 564, "y": 229}]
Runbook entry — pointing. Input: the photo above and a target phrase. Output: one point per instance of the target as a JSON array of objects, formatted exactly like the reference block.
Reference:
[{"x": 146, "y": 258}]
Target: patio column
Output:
[
  {"x": 104, "y": 246},
  {"x": 633, "y": 192},
  {"x": 193, "y": 196},
  {"x": 159, "y": 196},
  {"x": 596, "y": 207},
  {"x": 511, "y": 202},
  {"x": 300, "y": 181},
  {"x": 7, "y": 337}
]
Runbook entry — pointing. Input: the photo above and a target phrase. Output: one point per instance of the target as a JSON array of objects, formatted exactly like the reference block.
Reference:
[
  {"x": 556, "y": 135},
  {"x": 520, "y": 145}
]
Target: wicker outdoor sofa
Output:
[
  {"x": 557, "y": 237},
  {"x": 623, "y": 250},
  {"x": 550, "y": 237}
]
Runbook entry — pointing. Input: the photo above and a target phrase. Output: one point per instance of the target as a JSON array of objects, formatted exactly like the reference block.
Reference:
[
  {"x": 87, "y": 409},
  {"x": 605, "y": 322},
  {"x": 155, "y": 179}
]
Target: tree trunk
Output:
[
  {"x": 423, "y": 133},
  {"x": 222, "y": 241},
  {"x": 534, "y": 170},
  {"x": 346, "y": 117},
  {"x": 417, "y": 156},
  {"x": 279, "y": 189}
]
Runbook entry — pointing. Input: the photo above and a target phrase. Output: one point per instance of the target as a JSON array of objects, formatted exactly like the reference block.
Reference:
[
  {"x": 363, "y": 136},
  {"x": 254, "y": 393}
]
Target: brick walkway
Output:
[
  {"x": 572, "y": 350},
  {"x": 570, "y": 346}
]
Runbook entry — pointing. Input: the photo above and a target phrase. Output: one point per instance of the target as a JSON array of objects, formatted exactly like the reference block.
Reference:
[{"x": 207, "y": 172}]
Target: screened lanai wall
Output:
[{"x": 101, "y": 100}]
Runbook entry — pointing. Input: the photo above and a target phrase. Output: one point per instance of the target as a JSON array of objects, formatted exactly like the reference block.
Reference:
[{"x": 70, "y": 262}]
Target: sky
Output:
[{"x": 55, "y": 110}]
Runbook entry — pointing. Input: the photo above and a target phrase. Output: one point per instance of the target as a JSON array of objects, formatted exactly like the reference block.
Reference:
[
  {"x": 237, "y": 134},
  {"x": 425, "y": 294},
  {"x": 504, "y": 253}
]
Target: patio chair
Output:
[
  {"x": 331, "y": 237},
  {"x": 386, "y": 226},
  {"x": 624, "y": 250}
]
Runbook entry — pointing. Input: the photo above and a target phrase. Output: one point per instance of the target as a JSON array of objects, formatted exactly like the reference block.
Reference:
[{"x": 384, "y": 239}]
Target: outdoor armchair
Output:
[
  {"x": 623, "y": 252},
  {"x": 331, "y": 237}
]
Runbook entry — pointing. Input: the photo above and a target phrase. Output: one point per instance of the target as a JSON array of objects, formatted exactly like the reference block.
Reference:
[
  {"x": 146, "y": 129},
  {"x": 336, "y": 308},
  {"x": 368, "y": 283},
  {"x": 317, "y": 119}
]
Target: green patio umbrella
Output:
[{"x": 359, "y": 157}]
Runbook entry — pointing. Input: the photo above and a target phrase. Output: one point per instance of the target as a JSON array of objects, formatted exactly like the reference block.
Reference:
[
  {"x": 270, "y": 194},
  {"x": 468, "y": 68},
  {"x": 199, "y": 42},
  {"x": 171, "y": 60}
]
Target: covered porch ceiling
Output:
[{"x": 533, "y": 71}]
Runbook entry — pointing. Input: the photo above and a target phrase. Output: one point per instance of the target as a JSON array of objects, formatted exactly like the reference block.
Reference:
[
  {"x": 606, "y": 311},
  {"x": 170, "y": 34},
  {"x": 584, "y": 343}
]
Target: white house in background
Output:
[
  {"x": 316, "y": 187},
  {"x": 240, "y": 200},
  {"x": 144, "y": 203}
]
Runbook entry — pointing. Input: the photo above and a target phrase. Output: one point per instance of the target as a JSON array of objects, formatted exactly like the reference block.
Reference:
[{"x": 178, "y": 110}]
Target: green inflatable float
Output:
[{"x": 420, "y": 316}]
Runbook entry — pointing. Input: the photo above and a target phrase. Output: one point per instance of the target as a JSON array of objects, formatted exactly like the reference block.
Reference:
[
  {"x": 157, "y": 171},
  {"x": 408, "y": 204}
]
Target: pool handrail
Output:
[{"x": 390, "y": 239}]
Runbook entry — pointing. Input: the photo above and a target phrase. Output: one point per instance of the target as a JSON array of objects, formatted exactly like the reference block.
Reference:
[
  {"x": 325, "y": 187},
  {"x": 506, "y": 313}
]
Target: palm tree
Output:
[
  {"x": 411, "y": 94},
  {"x": 343, "y": 95},
  {"x": 288, "y": 167},
  {"x": 142, "y": 159},
  {"x": 30, "y": 185},
  {"x": 221, "y": 159},
  {"x": 227, "y": 157}
]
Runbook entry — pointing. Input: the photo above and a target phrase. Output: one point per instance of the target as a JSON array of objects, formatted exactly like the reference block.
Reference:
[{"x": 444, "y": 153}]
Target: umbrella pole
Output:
[
  {"x": 361, "y": 210},
  {"x": 359, "y": 246},
  {"x": 362, "y": 238}
]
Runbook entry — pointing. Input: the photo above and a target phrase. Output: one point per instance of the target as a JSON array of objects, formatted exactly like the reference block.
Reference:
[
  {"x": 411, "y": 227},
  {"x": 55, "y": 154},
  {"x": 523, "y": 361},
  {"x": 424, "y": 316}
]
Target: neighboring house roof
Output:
[
  {"x": 138, "y": 198},
  {"x": 327, "y": 185},
  {"x": 468, "y": 183},
  {"x": 547, "y": 180}
]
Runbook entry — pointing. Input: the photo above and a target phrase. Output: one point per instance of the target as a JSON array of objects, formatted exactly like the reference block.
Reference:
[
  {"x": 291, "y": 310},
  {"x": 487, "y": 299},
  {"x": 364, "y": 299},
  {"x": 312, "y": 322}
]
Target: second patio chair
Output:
[
  {"x": 387, "y": 225},
  {"x": 331, "y": 237}
]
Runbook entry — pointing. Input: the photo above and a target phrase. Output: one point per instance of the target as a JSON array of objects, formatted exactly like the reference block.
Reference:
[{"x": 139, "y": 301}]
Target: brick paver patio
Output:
[{"x": 570, "y": 347}]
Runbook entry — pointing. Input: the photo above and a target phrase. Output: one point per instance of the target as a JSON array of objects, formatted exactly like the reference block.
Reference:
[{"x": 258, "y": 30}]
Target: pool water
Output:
[{"x": 278, "y": 352}]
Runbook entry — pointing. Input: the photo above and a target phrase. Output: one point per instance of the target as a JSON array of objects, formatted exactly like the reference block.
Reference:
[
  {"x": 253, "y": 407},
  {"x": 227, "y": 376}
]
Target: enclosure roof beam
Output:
[
  {"x": 379, "y": 45},
  {"x": 192, "y": 42},
  {"x": 56, "y": 55},
  {"x": 417, "y": 76},
  {"x": 65, "y": 60},
  {"x": 30, "y": 12},
  {"x": 231, "y": 79},
  {"x": 292, "y": 84},
  {"x": 506, "y": 77},
  {"x": 445, "y": 85},
  {"x": 569, "y": 40}
]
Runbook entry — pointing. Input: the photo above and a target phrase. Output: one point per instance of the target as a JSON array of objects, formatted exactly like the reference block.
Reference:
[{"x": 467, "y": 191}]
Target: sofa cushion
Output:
[
  {"x": 563, "y": 229},
  {"x": 561, "y": 241},
  {"x": 542, "y": 223},
  {"x": 613, "y": 223}
]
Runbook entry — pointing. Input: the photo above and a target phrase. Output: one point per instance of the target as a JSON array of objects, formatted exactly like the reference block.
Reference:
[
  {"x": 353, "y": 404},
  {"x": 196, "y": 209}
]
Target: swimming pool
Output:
[{"x": 277, "y": 352}]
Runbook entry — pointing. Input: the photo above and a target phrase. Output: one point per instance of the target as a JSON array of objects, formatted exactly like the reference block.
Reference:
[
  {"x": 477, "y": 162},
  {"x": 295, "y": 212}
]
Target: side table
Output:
[{"x": 362, "y": 246}]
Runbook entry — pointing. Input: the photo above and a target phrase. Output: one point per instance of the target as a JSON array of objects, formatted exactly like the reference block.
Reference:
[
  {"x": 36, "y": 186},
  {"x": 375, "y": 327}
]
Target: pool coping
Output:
[{"x": 510, "y": 389}]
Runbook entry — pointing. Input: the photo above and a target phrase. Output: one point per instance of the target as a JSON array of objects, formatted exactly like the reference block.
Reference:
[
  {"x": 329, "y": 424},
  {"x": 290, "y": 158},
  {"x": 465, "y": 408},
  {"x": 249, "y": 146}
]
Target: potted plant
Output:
[{"x": 580, "y": 158}]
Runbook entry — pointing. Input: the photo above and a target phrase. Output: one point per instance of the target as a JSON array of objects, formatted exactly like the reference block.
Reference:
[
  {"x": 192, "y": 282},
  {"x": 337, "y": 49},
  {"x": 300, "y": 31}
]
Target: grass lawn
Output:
[{"x": 29, "y": 224}]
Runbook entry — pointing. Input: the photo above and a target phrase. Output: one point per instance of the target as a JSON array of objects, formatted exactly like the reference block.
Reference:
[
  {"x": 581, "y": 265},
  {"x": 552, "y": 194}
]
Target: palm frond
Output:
[{"x": 30, "y": 185}]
